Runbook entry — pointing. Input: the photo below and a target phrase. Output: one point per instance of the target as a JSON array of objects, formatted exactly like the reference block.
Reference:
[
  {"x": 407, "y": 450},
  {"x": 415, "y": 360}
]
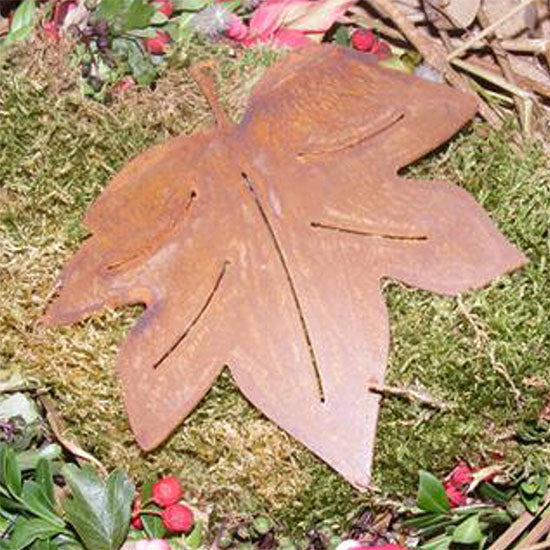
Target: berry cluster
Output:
[
  {"x": 366, "y": 41},
  {"x": 166, "y": 493}
]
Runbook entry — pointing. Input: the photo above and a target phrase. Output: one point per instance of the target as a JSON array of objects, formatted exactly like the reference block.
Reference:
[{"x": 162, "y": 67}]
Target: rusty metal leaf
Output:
[{"x": 261, "y": 246}]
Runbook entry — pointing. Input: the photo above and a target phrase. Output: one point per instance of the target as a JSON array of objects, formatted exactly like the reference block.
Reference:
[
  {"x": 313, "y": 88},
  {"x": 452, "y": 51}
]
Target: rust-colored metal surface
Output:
[{"x": 261, "y": 246}]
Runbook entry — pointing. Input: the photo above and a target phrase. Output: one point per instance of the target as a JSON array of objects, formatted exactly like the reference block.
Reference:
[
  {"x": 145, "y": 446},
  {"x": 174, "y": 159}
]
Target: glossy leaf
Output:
[
  {"x": 44, "y": 479},
  {"x": 441, "y": 543},
  {"x": 11, "y": 473},
  {"x": 99, "y": 512},
  {"x": 431, "y": 494},
  {"x": 27, "y": 531},
  {"x": 36, "y": 501},
  {"x": 153, "y": 525},
  {"x": 23, "y": 21},
  {"x": 469, "y": 531}
]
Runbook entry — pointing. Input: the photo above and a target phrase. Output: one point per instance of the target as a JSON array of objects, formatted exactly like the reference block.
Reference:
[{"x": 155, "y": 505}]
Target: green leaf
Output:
[
  {"x": 23, "y": 21},
  {"x": 109, "y": 9},
  {"x": 38, "y": 503},
  {"x": 138, "y": 62},
  {"x": 341, "y": 36},
  {"x": 26, "y": 531},
  {"x": 490, "y": 492},
  {"x": 440, "y": 543},
  {"x": 11, "y": 473},
  {"x": 194, "y": 5},
  {"x": 153, "y": 525},
  {"x": 11, "y": 505},
  {"x": 531, "y": 503},
  {"x": 424, "y": 520},
  {"x": 469, "y": 531},
  {"x": 529, "y": 487},
  {"x": 158, "y": 18},
  {"x": 28, "y": 460},
  {"x": 100, "y": 513},
  {"x": 193, "y": 540},
  {"x": 44, "y": 545},
  {"x": 149, "y": 32},
  {"x": 3, "y": 451},
  {"x": 138, "y": 15},
  {"x": 44, "y": 479},
  {"x": 431, "y": 494}
]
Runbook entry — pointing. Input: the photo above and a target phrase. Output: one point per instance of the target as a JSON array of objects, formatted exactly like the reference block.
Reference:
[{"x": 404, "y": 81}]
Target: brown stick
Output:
[
  {"x": 411, "y": 395},
  {"x": 435, "y": 55},
  {"x": 488, "y": 30},
  {"x": 504, "y": 63}
]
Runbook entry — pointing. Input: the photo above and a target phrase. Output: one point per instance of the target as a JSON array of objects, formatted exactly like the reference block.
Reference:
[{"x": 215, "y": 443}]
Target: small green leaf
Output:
[
  {"x": 529, "y": 487},
  {"x": 37, "y": 502},
  {"x": 424, "y": 520},
  {"x": 3, "y": 451},
  {"x": 99, "y": 512},
  {"x": 138, "y": 15},
  {"x": 469, "y": 531},
  {"x": 26, "y": 531},
  {"x": 109, "y": 9},
  {"x": 193, "y": 540},
  {"x": 153, "y": 525},
  {"x": 28, "y": 460},
  {"x": 11, "y": 505},
  {"x": 44, "y": 479},
  {"x": 22, "y": 23},
  {"x": 158, "y": 18},
  {"x": 531, "y": 503},
  {"x": 440, "y": 543},
  {"x": 341, "y": 36},
  {"x": 431, "y": 494},
  {"x": 194, "y": 5},
  {"x": 11, "y": 473},
  {"x": 149, "y": 32}
]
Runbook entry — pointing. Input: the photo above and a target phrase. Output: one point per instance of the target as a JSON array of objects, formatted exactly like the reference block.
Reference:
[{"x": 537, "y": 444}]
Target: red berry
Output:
[
  {"x": 167, "y": 491},
  {"x": 363, "y": 40},
  {"x": 177, "y": 518},
  {"x": 165, "y": 7},
  {"x": 381, "y": 50},
  {"x": 136, "y": 522},
  {"x": 157, "y": 45},
  {"x": 136, "y": 518}
]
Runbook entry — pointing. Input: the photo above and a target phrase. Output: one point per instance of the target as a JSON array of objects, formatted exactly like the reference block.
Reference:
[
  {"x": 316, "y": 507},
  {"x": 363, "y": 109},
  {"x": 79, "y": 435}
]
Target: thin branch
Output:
[
  {"x": 504, "y": 63},
  {"x": 491, "y": 77},
  {"x": 411, "y": 395},
  {"x": 488, "y": 30},
  {"x": 363, "y": 18},
  {"x": 484, "y": 109},
  {"x": 433, "y": 53}
]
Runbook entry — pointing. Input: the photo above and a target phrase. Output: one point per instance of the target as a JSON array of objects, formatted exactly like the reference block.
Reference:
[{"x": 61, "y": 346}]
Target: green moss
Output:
[{"x": 485, "y": 354}]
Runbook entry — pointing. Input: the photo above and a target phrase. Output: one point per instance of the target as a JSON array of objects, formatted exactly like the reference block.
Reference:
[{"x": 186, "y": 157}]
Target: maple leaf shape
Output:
[{"x": 261, "y": 246}]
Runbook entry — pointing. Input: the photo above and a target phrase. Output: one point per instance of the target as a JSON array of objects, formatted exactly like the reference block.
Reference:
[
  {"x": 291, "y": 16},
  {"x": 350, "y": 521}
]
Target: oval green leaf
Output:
[{"x": 431, "y": 494}]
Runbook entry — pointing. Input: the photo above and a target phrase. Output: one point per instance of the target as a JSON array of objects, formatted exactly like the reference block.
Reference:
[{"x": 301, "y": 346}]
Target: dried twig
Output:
[
  {"x": 485, "y": 111},
  {"x": 411, "y": 395},
  {"x": 362, "y": 17},
  {"x": 504, "y": 63},
  {"x": 434, "y": 54},
  {"x": 488, "y": 30},
  {"x": 501, "y": 369},
  {"x": 58, "y": 428}
]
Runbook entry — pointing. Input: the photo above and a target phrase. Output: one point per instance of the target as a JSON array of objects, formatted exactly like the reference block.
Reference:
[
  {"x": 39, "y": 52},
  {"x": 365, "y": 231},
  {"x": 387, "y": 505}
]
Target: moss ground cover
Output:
[{"x": 484, "y": 354}]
